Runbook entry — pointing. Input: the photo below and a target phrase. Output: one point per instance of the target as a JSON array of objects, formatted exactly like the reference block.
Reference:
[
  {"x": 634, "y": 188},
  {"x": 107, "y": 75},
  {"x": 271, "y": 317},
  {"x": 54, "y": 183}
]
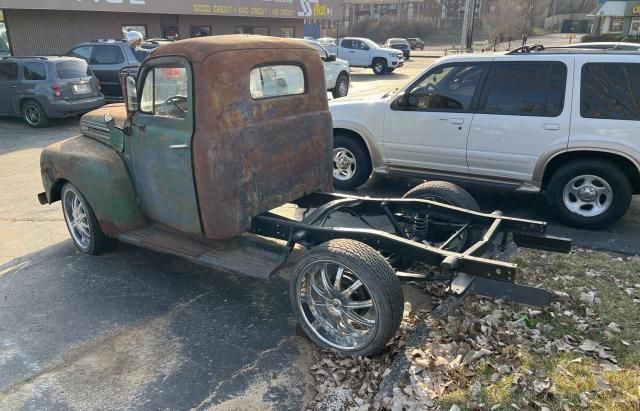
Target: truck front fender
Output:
[{"x": 102, "y": 177}]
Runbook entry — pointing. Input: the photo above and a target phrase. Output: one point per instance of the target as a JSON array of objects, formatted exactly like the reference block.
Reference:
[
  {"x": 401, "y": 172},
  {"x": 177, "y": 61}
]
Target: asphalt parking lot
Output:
[{"x": 136, "y": 329}]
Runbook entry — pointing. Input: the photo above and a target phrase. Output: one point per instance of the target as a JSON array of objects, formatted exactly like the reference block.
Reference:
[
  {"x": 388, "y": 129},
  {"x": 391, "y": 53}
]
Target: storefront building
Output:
[
  {"x": 618, "y": 17},
  {"x": 41, "y": 27}
]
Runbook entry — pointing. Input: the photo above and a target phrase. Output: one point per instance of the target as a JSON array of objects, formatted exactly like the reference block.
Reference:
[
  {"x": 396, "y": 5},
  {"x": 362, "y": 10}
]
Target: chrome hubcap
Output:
[
  {"x": 336, "y": 305},
  {"x": 344, "y": 164},
  {"x": 587, "y": 195},
  {"x": 32, "y": 114},
  {"x": 379, "y": 67},
  {"x": 343, "y": 87},
  {"x": 77, "y": 219}
]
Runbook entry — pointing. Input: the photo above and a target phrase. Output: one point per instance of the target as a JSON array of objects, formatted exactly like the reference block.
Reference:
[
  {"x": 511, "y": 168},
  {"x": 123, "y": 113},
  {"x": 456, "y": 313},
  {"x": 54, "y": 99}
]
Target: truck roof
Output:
[{"x": 198, "y": 49}]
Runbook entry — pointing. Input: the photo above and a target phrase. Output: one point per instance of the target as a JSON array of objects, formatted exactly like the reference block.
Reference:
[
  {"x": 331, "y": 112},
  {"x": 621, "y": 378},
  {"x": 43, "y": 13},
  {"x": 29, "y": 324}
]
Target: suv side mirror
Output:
[
  {"x": 331, "y": 57},
  {"x": 401, "y": 100}
]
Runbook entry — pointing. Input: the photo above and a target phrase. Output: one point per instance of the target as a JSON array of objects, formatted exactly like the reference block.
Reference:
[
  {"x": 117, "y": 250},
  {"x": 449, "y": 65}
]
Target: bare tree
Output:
[{"x": 507, "y": 19}]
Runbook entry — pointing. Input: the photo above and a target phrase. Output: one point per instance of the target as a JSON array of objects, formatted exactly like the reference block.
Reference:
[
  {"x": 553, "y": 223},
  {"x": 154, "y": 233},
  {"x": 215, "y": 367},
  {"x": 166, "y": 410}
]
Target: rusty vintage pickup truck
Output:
[{"x": 215, "y": 134}]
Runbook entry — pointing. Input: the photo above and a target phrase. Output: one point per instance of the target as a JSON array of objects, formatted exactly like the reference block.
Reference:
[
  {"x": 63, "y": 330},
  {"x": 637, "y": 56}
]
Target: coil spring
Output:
[{"x": 421, "y": 224}]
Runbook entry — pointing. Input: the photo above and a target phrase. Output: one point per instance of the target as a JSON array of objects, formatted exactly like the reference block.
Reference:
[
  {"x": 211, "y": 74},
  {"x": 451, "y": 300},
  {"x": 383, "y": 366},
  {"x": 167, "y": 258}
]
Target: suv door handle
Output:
[
  {"x": 552, "y": 127},
  {"x": 456, "y": 120}
]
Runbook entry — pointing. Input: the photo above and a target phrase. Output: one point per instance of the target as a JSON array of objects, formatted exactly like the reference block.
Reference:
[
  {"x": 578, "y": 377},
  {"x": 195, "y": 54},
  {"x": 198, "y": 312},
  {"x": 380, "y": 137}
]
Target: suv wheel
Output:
[
  {"x": 589, "y": 193},
  {"x": 351, "y": 163},
  {"x": 379, "y": 66},
  {"x": 342, "y": 86},
  {"x": 34, "y": 115}
]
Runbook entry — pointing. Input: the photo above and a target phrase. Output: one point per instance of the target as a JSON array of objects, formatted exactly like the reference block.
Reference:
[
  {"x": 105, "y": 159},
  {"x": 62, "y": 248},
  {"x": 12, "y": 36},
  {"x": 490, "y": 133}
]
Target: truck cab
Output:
[{"x": 212, "y": 132}]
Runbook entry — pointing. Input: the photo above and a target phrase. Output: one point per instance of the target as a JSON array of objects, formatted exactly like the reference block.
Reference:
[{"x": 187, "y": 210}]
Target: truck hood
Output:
[
  {"x": 389, "y": 50},
  {"x": 92, "y": 124}
]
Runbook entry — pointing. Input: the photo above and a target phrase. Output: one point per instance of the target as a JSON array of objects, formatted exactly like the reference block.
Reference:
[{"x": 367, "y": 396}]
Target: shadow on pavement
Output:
[{"x": 137, "y": 329}]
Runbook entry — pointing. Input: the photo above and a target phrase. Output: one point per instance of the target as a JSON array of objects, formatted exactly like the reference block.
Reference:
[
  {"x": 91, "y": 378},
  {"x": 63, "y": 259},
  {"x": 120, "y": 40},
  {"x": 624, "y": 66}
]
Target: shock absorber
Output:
[{"x": 421, "y": 224}]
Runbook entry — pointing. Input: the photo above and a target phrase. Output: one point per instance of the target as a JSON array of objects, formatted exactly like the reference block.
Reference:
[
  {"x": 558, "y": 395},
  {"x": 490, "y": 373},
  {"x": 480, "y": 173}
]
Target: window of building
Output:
[
  {"x": 34, "y": 71},
  {"x": 273, "y": 81},
  {"x": 447, "y": 88},
  {"x": 8, "y": 71},
  {"x": 140, "y": 28},
  {"x": 525, "y": 89},
  {"x": 107, "y": 55},
  {"x": 261, "y": 30},
  {"x": 165, "y": 92},
  {"x": 83, "y": 52},
  {"x": 199, "y": 31},
  {"x": 610, "y": 91},
  {"x": 616, "y": 24},
  {"x": 288, "y": 32}
]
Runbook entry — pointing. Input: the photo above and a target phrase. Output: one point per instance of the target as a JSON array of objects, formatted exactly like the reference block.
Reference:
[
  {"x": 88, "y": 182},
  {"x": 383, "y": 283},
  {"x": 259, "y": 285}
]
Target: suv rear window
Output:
[
  {"x": 72, "y": 69},
  {"x": 610, "y": 91},
  {"x": 525, "y": 89},
  {"x": 107, "y": 55},
  {"x": 34, "y": 71}
]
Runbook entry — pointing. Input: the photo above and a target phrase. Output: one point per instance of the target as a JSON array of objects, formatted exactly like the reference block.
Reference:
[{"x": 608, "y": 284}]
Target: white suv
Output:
[
  {"x": 562, "y": 121},
  {"x": 360, "y": 52}
]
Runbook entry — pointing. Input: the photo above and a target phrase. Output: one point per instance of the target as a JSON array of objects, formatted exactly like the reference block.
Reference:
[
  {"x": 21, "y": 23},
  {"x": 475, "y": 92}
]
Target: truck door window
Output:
[
  {"x": 107, "y": 55},
  {"x": 165, "y": 92}
]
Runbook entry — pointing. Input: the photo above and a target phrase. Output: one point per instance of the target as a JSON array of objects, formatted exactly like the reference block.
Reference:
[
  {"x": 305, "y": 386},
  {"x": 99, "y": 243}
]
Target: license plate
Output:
[{"x": 81, "y": 89}]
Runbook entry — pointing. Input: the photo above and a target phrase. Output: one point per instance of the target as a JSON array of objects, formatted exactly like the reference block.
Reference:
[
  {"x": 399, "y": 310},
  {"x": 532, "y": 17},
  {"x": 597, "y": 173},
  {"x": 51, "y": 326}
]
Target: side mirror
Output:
[
  {"x": 130, "y": 93},
  {"x": 116, "y": 133},
  {"x": 331, "y": 57},
  {"x": 400, "y": 101}
]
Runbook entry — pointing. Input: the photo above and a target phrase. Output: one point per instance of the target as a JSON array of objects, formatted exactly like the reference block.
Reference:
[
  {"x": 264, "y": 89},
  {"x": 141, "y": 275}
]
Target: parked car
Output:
[
  {"x": 40, "y": 88},
  {"x": 607, "y": 45},
  {"x": 416, "y": 43},
  {"x": 361, "y": 52},
  {"x": 399, "y": 44},
  {"x": 216, "y": 132},
  {"x": 560, "y": 121},
  {"x": 107, "y": 58},
  {"x": 336, "y": 71}
]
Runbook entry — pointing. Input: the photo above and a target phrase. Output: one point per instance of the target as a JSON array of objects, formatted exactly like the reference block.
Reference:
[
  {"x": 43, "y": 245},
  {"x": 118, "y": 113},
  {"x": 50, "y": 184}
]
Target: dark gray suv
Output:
[
  {"x": 40, "y": 88},
  {"x": 107, "y": 58}
]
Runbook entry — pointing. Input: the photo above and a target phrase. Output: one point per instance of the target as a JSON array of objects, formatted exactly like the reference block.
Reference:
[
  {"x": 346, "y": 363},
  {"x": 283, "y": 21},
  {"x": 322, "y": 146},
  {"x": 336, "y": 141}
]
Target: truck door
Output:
[{"x": 161, "y": 135}]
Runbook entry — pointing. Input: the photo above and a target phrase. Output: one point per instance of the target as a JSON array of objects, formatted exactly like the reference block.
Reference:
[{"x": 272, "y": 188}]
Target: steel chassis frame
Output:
[{"x": 467, "y": 272}]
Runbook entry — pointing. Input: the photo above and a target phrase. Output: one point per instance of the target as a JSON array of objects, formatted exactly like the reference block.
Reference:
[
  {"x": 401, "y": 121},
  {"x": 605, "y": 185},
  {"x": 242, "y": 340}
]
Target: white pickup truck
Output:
[{"x": 361, "y": 52}]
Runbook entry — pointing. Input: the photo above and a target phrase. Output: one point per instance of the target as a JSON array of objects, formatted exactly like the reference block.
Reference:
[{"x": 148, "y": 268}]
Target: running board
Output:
[{"x": 246, "y": 254}]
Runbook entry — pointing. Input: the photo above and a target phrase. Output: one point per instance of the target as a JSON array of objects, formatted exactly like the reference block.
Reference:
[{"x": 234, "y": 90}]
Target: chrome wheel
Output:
[
  {"x": 75, "y": 213},
  {"x": 344, "y": 164},
  {"x": 32, "y": 114},
  {"x": 336, "y": 305},
  {"x": 343, "y": 87},
  {"x": 587, "y": 195},
  {"x": 379, "y": 67}
]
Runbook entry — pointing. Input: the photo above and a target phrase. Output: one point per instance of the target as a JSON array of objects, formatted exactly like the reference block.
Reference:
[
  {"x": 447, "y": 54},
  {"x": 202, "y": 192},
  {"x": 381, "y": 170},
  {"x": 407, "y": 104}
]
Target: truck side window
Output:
[{"x": 165, "y": 92}]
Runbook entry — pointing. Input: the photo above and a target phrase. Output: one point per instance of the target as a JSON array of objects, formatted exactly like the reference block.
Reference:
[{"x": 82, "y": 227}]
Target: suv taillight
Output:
[{"x": 57, "y": 91}]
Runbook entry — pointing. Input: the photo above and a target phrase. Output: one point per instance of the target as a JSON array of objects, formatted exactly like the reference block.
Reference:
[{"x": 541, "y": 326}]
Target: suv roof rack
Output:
[
  {"x": 25, "y": 57},
  {"x": 527, "y": 49},
  {"x": 569, "y": 50}
]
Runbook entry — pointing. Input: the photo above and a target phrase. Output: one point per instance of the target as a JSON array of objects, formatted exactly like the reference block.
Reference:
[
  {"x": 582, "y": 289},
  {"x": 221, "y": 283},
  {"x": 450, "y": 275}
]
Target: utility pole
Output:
[{"x": 467, "y": 24}]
